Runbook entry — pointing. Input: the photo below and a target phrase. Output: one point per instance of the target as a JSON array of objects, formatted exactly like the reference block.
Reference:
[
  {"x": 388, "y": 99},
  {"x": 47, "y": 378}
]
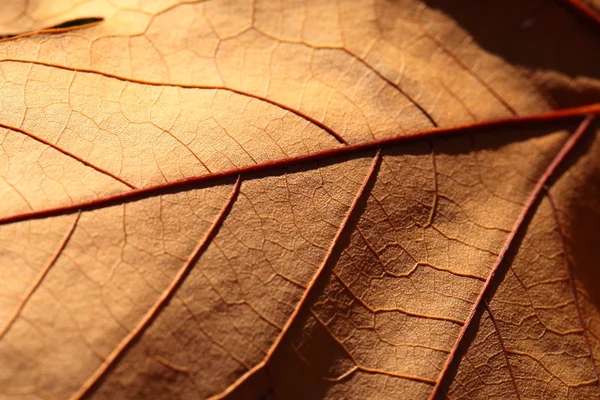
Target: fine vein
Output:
[
  {"x": 573, "y": 288},
  {"x": 362, "y": 61},
  {"x": 504, "y": 350},
  {"x": 39, "y": 278},
  {"x": 371, "y": 175},
  {"x": 163, "y": 300},
  {"x": 509, "y": 244},
  {"x": 187, "y": 86},
  {"x": 120, "y": 198},
  {"x": 68, "y": 154}
]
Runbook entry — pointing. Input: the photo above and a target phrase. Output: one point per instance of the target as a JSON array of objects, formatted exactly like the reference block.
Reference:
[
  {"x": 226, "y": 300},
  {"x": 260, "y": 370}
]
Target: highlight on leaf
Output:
[{"x": 303, "y": 200}]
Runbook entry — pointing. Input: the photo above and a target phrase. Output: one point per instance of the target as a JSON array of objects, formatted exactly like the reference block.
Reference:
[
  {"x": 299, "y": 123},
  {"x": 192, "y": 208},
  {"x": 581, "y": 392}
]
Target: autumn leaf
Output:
[{"x": 361, "y": 199}]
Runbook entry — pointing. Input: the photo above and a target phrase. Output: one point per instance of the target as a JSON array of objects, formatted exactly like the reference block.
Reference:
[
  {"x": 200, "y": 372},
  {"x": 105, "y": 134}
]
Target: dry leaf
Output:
[{"x": 299, "y": 200}]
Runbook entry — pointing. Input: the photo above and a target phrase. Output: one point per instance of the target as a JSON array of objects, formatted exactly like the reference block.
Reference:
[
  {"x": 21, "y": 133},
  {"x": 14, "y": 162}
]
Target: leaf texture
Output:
[{"x": 299, "y": 200}]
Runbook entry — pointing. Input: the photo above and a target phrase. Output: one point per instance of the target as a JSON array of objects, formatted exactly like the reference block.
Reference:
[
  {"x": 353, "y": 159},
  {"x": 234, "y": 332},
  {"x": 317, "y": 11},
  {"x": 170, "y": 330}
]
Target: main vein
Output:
[{"x": 132, "y": 195}]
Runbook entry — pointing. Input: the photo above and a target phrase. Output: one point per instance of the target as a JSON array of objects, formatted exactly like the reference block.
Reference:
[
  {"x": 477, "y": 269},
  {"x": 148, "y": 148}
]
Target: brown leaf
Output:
[{"x": 311, "y": 200}]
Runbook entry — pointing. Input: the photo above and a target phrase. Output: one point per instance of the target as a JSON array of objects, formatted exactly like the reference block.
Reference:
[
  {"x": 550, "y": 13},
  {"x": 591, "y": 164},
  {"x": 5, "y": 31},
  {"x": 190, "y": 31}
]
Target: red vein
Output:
[
  {"x": 336, "y": 240},
  {"x": 573, "y": 288},
  {"x": 468, "y": 70},
  {"x": 583, "y": 9},
  {"x": 393, "y": 310},
  {"x": 511, "y": 240},
  {"x": 504, "y": 351},
  {"x": 40, "y": 278},
  {"x": 163, "y": 300},
  {"x": 68, "y": 154},
  {"x": 360, "y": 60},
  {"x": 539, "y": 362},
  {"x": 289, "y": 161},
  {"x": 361, "y": 367},
  {"x": 186, "y": 86},
  {"x": 392, "y": 84}
]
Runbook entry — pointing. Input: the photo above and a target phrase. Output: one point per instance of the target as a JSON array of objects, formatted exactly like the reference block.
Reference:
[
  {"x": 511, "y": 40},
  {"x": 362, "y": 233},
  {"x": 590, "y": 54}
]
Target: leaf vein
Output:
[
  {"x": 39, "y": 278},
  {"x": 162, "y": 301},
  {"x": 510, "y": 242}
]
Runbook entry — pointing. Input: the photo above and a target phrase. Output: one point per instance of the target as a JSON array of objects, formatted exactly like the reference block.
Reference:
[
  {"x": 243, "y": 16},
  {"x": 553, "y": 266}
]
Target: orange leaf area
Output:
[{"x": 232, "y": 199}]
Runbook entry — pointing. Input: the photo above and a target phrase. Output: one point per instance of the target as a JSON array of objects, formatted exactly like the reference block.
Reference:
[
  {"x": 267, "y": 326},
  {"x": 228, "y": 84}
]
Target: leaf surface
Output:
[{"x": 230, "y": 199}]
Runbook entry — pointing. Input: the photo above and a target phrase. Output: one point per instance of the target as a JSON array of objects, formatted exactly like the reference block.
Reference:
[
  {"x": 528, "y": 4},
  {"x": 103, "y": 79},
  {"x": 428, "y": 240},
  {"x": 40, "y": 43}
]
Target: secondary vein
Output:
[
  {"x": 68, "y": 154},
  {"x": 258, "y": 368},
  {"x": 509, "y": 244},
  {"x": 163, "y": 300},
  {"x": 39, "y": 278}
]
